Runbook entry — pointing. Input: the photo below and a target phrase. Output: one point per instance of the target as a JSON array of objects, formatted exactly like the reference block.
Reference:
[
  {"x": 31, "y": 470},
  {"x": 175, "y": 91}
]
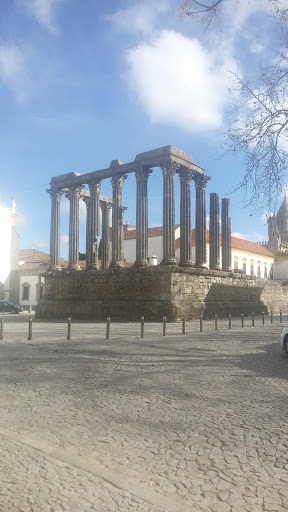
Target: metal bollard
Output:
[
  {"x": 164, "y": 325},
  {"x": 271, "y": 317},
  {"x": 69, "y": 328},
  {"x": 1, "y": 328},
  {"x": 280, "y": 316},
  {"x": 201, "y": 323},
  {"x": 229, "y": 321},
  {"x": 30, "y": 329},
  {"x": 263, "y": 318},
  {"x": 253, "y": 319},
  {"x": 242, "y": 320},
  {"x": 216, "y": 322},
  {"x": 108, "y": 328},
  {"x": 142, "y": 326},
  {"x": 183, "y": 326}
]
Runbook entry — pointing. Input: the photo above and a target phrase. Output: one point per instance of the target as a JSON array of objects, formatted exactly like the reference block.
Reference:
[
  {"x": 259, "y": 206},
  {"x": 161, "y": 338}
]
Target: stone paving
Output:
[{"x": 194, "y": 422}]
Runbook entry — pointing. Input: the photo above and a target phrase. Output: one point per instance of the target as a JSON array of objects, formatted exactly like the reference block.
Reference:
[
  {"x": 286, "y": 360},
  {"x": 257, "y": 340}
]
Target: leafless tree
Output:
[
  {"x": 259, "y": 131},
  {"x": 259, "y": 124}
]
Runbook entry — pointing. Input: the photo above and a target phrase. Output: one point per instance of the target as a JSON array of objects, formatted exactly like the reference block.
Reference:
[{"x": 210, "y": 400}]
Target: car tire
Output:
[{"x": 285, "y": 344}]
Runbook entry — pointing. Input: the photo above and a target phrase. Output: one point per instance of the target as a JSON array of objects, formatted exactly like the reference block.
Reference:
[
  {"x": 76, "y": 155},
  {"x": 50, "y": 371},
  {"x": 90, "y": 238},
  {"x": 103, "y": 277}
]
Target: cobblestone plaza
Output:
[{"x": 194, "y": 422}]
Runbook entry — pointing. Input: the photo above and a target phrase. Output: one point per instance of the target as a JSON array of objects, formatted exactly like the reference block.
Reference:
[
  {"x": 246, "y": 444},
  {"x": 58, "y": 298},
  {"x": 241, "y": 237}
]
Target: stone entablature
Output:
[{"x": 129, "y": 293}]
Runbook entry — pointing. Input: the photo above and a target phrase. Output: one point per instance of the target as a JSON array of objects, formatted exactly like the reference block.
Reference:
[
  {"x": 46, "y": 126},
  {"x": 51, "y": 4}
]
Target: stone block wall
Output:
[{"x": 128, "y": 293}]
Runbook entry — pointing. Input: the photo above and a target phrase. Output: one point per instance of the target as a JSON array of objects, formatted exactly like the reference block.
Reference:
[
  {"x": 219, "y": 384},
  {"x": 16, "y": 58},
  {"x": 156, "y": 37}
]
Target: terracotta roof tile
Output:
[
  {"x": 157, "y": 231},
  {"x": 236, "y": 243}
]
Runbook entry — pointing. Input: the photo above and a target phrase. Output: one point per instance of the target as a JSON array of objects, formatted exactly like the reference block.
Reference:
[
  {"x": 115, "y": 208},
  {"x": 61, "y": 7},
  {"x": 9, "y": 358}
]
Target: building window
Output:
[
  {"x": 265, "y": 270},
  {"x": 244, "y": 265},
  {"x": 258, "y": 268},
  {"x": 25, "y": 291},
  {"x": 236, "y": 262},
  {"x": 252, "y": 267}
]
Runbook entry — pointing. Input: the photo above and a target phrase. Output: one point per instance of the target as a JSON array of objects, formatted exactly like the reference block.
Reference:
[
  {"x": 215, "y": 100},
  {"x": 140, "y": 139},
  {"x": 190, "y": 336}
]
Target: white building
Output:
[
  {"x": 155, "y": 242},
  {"x": 33, "y": 263},
  {"x": 247, "y": 257},
  {"x": 9, "y": 254}
]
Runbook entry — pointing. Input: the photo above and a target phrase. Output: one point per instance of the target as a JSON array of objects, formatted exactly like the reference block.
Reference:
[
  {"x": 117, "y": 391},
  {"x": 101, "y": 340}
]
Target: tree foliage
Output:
[{"x": 259, "y": 123}]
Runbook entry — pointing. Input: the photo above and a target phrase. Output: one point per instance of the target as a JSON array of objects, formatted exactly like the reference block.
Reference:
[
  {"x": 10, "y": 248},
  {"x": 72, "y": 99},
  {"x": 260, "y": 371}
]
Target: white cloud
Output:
[
  {"x": 236, "y": 14},
  {"x": 64, "y": 240},
  {"x": 139, "y": 18},
  {"x": 252, "y": 237},
  {"x": 13, "y": 70},
  {"x": 178, "y": 82},
  {"x": 43, "y": 11}
]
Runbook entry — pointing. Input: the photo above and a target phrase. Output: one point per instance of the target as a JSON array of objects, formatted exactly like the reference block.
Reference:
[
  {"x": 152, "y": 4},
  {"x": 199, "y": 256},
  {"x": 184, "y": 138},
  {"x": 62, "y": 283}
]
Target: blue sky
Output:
[{"x": 83, "y": 82}]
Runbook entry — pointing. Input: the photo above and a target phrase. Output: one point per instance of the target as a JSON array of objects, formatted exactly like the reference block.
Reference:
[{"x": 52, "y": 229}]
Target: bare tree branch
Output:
[
  {"x": 260, "y": 133},
  {"x": 259, "y": 123}
]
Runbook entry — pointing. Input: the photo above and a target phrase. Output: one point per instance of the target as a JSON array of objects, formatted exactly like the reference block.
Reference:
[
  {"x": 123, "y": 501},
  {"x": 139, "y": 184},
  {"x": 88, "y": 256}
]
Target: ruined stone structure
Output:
[
  {"x": 167, "y": 289},
  {"x": 172, "y": 161}
]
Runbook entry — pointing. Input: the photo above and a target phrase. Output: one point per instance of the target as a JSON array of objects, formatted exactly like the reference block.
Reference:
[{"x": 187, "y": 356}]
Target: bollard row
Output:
[{"x": 164, "y": 321}]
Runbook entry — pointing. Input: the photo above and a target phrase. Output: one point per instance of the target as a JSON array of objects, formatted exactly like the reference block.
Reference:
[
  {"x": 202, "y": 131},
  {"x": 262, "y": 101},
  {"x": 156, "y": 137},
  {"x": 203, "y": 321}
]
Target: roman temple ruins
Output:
[{"x": 170, "y": 289}]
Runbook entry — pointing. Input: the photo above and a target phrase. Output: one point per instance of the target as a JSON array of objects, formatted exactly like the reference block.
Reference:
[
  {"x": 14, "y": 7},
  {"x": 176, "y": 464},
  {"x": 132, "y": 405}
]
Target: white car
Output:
[{"x": 283, "y": 339}]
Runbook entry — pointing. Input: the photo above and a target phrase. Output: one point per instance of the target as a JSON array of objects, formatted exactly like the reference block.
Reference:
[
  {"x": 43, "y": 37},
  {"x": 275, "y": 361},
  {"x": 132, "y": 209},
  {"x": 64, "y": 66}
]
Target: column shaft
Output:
[
  {"x": 142, "y": 175},
  {"x": 117, "y": 222},
  {"x": 94, "y": 187},
  {"x": 55, "y": 229},
  {"x": 200, "y": 218},
  {"x": 105, "y": 243},
  {"x": 214, "y": 232},
  {"x": 185, "y": 217},
  {"x": 168, "y": 170},
  {"x": 88, "y": 229},
  {"x": 226, "y": 235},
  {"x": 74, "y": 196}
]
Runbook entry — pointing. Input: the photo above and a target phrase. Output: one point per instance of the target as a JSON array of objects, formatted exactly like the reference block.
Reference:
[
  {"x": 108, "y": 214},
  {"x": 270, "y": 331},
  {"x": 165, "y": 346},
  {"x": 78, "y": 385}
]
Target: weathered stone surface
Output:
[{"x": 128, "y": 293}]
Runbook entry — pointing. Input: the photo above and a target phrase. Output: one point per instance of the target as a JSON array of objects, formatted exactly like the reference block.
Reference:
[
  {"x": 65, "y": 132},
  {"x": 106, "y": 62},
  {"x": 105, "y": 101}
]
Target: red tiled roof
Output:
[
  {"x": 41, "y": 258},
  {"x": 27, "y": 253},
  {"x": 157, "y": 231},
  {"x": 236, "y": 243}
]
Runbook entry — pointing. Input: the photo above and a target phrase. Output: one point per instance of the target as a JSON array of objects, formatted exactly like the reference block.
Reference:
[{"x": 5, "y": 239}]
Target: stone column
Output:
[
  {"x": 168, "y": 170},
  {"x": 214, "y": 232},
  {"x": 200, "y": 219},
  {"x": 94, "y": 187},
  {"x": 105, "y": 243},
  {"x": 142, "y": 175},
  {"x": 185, "y": 176},
  {"x": 55, "y": 229},
  {"x": 117, "y": 222},
  {"x": 226, "y": 235},
  {"x": 88, "y": 229},
  {"x": 74, "y": 196}
]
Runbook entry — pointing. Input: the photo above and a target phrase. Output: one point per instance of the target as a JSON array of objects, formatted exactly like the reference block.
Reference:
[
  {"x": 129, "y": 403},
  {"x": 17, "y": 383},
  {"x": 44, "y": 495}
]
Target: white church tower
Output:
[{"x": 9, "y": 254}]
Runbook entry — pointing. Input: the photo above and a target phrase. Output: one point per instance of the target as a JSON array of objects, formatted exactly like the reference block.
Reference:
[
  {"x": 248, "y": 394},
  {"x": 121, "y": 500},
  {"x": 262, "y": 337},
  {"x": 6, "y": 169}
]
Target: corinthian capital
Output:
[
  {"x": 142, "y": 173},
  {"x": 201, "y": 180},
  {"x": 94, "y": 185},
  {"x": 185, "y": 174},
  {"x": 117, "y": 181},
  {"x": 55, "y": 193},
  {"x": 169, "y": 168},
  {"x": 74, "y": 191}
]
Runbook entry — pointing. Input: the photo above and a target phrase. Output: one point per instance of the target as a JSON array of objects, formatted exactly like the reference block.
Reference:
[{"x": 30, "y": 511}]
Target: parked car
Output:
[
  {"x": 9, "y": 307},
  {"x": 283, "y": 339}
]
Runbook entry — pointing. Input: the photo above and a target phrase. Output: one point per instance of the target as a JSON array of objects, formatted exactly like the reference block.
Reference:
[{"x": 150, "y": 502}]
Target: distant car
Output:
[
  {"x": 283, "y": 339},
  {"x": 9, "y": 307}
]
